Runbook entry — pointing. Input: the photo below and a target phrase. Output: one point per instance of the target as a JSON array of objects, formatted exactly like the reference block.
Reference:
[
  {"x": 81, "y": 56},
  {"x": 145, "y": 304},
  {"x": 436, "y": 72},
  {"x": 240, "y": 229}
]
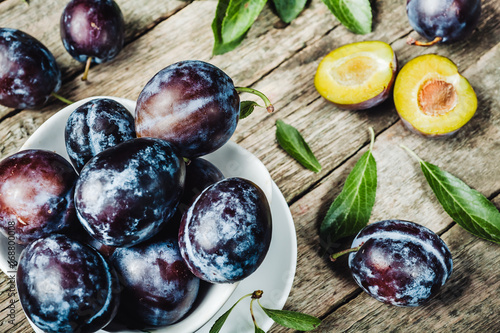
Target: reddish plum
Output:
[{"x": 36, "y": 194}]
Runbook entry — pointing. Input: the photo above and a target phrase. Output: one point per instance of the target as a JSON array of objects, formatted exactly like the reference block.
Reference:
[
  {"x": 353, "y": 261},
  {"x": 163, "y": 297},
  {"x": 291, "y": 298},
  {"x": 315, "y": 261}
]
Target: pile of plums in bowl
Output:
[{"x": 138, "y": 231}]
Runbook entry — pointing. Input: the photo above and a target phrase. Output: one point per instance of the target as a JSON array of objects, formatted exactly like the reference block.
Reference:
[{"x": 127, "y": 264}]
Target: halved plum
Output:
[
  {"x": 357, "y": 76},
  {"x": 432, "y": 98}
]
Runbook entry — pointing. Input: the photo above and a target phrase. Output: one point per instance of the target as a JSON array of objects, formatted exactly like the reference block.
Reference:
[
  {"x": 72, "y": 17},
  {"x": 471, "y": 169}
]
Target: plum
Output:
[
  {"x": 65, "y": 286},
  {"x": 225, "y": 234},
  {"x": 443, "y": 20},
  {"x": 357, "y": 76},
  {"x": 432, "y": 98},
  {"x": 36, "y": 194},
  {"x": 126, "y": 193},
  {"x": 158, "y": 287},
  {"x": 192, "y": 104},
  {"x": 400, "y": 262},
  {"x": 92, "y": 31},
  {"x": 28, "y": 71},
  {"x": 99, "y": 124}
]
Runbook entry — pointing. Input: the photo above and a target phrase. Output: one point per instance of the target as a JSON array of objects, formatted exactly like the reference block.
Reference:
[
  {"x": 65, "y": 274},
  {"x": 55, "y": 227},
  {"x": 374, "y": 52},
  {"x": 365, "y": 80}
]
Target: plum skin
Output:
[
  {"x": 65, "y": 286},
  {"x": 93, "y": 127},
  {"x": 400, "y": 262},
  {"x": 36, "y": 194},
  {"x": 29, "y": 72},
  {"x": 192, "y": 104},
  {"x": 99, "y": 30},
  {"x": 125, "y": 194},
  {"x": 225, "y": 234},
  {"x": 452, "y": 20},
  {"x": 158, "y": 288}
]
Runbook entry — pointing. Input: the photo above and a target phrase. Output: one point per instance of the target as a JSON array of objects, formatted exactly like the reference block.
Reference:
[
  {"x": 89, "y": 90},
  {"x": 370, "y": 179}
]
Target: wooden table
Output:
[{"x": 281, "y": 60}]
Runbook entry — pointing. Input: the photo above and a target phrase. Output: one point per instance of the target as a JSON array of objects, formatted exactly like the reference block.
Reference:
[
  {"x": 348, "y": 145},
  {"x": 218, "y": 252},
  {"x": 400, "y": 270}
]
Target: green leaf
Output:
[
  {"x": 466, "y": 206},
  {"x": 351, "y": 209},
  {"x": 294, "y": 320},
  {"x": 246, "y": 108},
  {"x": 289, "y": 9},
  {"x": 219, "y": 46},
  {"x": 216, "y": 327},
  {"x": 240, "y": 15},
  {"x": 258, "y": 329},
  {"x": 294, "y": 144},
  {"x": 355, "y": 15}
]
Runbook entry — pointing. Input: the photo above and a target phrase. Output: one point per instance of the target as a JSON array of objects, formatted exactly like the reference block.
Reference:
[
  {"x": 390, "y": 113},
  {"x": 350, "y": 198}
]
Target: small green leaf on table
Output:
[
  {"x": 294, "y": 320},
  {"x": 355, "y": 15},
  {"x": 289, "y": 9},
  {"x": 466, "y": 206},
  {"x": 352, "y": 208},
  {"x": 219, "y": 46},
  {"x": 290, "y": 139}
]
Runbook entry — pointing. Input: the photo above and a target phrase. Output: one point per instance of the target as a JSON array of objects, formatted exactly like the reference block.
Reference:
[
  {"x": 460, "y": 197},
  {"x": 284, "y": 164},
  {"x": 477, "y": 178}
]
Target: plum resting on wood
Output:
[
  {"x": 28, "y": 71},
  {"x": 399, "y": 262}
]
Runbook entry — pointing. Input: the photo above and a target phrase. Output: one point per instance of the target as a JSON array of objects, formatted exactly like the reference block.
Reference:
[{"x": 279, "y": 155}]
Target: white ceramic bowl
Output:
[{"x": 233, "y": 161}]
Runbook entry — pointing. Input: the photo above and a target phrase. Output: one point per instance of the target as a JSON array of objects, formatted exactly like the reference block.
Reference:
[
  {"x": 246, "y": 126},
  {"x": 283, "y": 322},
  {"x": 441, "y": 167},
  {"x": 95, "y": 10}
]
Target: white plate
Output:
[{"x": 274, "y": 276}]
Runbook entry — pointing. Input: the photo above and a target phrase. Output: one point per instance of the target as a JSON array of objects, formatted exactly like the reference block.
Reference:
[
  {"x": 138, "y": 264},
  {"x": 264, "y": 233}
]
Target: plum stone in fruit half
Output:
[
  {"x": 192, "y": 104},
  {"x": 28, "y": 71},
  {"x": 36, "y": 195},
  {"x": 126, "y": 193},
  {"x": 65, "y": 286},
  {"x": 400, "y": 262},
  {"x": 225, "y": 234},
  {"x": 158, "y": 287}
]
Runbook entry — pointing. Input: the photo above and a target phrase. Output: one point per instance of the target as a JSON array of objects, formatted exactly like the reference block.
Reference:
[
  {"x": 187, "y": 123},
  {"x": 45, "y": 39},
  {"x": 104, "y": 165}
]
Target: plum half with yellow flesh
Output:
[
  {"x": 357, "y": 76},
  {"x": 432, "y": 98}
]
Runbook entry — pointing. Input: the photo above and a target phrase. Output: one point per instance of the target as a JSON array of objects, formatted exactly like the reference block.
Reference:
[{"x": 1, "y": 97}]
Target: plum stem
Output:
[
  {"x": 411, "y": 152},
  {"x": 62, "y": 99},
  {"x": 269, "y": 106},
  {"x": 412, "y": 41},
  {"x": 87, "y": 67},
  {"x": 335, "y": 256}
]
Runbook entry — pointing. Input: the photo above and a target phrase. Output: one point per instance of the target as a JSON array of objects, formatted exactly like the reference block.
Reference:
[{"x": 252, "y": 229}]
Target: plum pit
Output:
[{"x": 437, "y": 97}]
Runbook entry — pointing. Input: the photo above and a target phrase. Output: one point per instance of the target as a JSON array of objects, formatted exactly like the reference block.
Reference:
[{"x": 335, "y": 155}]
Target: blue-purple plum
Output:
[
  {"x": 225, "y": 234},
  {"x": 158, "y": 288},
  {"x": 28, "y": 71},
  {"x": 36, "y": 195},
  {"x": 92, "y": 29},
  {"x": 400, "y": 262},
  {"x": 126, "y": 193},
  {"x": 65, "y": 286},
  {"x": 96, "y": 126},
  {"x": 192, "y": 104},
  {"x": 450, "y": 20}
]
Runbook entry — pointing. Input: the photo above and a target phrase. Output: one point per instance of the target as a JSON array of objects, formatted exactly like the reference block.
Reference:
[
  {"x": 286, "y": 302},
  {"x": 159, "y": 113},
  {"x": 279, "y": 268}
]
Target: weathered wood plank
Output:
[{"x": 41, "y": 20}]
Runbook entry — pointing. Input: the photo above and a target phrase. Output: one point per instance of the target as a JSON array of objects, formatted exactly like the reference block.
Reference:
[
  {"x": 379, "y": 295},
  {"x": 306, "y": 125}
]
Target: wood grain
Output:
[{"x": 281, "y": 60}]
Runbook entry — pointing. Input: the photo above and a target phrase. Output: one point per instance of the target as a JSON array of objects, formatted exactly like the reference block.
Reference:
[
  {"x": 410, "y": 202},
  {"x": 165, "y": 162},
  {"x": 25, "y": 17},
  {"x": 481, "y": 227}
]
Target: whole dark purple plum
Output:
[
  {"x": 158, "y": 288},
  {"x": 36, "y": 195},
  {"x": 447, "y": 20},
  {"x": 92, "y": 30},
  {"x": 399, "y": 262},
  {"x": 192, "y": 104},
  {"x": 65, "y": 286},
  {"x": 28, "y": 71},
  {"x": 225, "y": 234},
  {"x": 96, "y": 126},
  {"x": 126, "y": 193}
]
